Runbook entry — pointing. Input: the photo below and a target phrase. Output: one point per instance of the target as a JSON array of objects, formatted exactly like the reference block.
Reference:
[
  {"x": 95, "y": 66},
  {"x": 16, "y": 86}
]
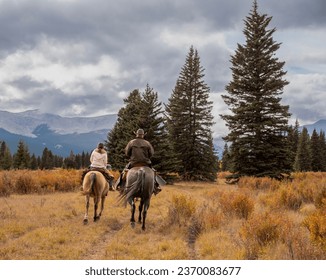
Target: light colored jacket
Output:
[{"x": 99, "y": 158}]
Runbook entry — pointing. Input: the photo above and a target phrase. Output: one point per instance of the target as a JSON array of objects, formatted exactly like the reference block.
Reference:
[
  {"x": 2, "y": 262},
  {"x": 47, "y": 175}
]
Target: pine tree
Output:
[
  {"x": 293, "y": 140},
  {"x": 322, "y": 143},
  {"x": 190, "y": 121},
  {"x": 123, "y": 130},
  {"x": 151, "y": 119},
  {"x": 316, "y": 152},
  {"x": 5, "y": 157},
  {"x": 303, "y": 157},
  {"x": 142, "y": 110},
  {"x": 47, "y": 160},
  {"x": 21, "y": 157},
  {"x": 226, "y": 159},
  {"x": 34, "y": 165},
  {"x": 258, "y": 124}
]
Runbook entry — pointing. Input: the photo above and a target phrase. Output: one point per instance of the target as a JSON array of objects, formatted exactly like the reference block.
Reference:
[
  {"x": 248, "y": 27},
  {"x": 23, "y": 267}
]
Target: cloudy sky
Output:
[{"x": 82, "y": 57}]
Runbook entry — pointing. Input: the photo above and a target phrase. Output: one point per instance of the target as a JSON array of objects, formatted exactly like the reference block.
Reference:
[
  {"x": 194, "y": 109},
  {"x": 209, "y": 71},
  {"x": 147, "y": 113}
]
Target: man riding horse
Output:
[{"x": 139, "y": 151}]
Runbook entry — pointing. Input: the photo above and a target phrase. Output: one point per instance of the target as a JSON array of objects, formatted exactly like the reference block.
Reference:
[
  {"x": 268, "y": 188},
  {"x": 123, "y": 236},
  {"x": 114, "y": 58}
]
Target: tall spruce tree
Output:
[
  {"x": 142, "y": 110},
  {"x": 226, "y": 166},
  {"x": 122, "y": 132},
  {"x": 190, "y": 121},
  {"x": 322, "y": 143},
  {"x": 303, "y": 157},
  {"x": 316, "y": 152},
  {"x": 21, "y": 159},
  {"x": 5, "y": 156},
  {"x": 258, "y": 124},
  {"x": 293, "y": 139}
]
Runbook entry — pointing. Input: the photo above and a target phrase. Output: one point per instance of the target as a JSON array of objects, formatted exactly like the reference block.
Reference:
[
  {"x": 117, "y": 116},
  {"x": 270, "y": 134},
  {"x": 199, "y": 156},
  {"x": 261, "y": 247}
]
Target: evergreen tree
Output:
[
  {"x": 123, "y": 130},
  {"x": 21, "y": 157},
  {"x": 5, "y": 157},
  {"x": 47, "y": 159},
  {"x": 258, "y": 124},
  {"x": 151, "y": 119},
  {"x": 142, "y": 110},
  {"x": 316, "y": 152},
  {"x": 293, "y": 139},
  {"x": 322, "y": 143},
  {"x": 70, "y": 162},
  {"x": 303, "y": 157},
  {"x": 190, "y": 121},
  {"x": 226, "y": 159},
  {"x": 34, "y": 165}
]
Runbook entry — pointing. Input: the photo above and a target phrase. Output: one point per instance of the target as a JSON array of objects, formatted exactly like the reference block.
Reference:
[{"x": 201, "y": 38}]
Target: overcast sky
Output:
[{"x": 82, "y": 57}]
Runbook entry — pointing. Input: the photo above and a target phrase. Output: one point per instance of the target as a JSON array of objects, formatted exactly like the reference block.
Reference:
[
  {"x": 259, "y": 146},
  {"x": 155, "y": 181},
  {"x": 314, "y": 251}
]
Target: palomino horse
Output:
[
  {"x": 139, "y": 184},
  {"x": 96, "y": 186}
]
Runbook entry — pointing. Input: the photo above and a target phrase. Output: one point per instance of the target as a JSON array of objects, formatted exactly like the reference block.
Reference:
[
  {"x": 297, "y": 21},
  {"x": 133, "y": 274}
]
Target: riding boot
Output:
[{"x": 157, "y": 188}]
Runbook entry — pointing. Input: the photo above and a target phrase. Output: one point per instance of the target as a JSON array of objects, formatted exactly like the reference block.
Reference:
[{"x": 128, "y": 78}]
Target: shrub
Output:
[
  {"x": 260, "y": 230},
  {"x": 263, "y": 183},
  {"x": 320, "y": 198},
  {"x": 236, "y": 203},
  {"x": 316, "y": 224},
  {"x": 25, "y": 184},
  {"x": 290, "y": 198},
  {"x": 5, "y": 186},
  {"x": 181, "y": 209}
]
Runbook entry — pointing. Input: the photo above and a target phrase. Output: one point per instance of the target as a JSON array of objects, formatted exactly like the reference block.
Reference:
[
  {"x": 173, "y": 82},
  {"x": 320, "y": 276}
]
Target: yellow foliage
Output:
[
  {"x": 316, "y": 224},
  {"x": 236, "y": 203}
]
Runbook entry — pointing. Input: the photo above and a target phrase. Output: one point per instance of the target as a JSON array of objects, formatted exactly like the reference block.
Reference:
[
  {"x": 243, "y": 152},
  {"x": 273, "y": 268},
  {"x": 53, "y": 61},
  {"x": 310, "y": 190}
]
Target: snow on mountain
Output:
[{"x": 25, "y": 123}]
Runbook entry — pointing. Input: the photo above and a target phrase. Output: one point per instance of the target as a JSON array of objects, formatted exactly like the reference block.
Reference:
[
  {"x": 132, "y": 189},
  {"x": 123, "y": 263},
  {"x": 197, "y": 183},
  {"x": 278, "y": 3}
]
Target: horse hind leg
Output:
[
  {"x": 96, "y": 201},
  {"x": 146, "y": 206},
  {"x": 133, "y": 209},
  {"x": 86, "y": 212},
  {"x": 140, "y": 209},
  {"x": 102, "y": 205}
]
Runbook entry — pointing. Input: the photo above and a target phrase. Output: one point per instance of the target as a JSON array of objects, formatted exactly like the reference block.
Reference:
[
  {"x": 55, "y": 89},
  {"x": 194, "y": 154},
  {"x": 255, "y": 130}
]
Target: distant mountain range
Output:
[
  {"x": 62, "y": 135},
  {"x": 319, "y": 125},
  {"x": 59, "y": 134}
]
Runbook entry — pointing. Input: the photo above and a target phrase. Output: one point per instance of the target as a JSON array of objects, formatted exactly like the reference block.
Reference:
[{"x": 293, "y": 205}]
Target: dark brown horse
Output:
[
  {"x": 139, "y": 184},
  {"x": 96, "y": 186}
]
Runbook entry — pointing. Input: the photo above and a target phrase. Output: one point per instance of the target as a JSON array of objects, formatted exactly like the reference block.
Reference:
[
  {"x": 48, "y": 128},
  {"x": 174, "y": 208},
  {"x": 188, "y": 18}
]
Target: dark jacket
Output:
[{"x": 139, "y": 151}]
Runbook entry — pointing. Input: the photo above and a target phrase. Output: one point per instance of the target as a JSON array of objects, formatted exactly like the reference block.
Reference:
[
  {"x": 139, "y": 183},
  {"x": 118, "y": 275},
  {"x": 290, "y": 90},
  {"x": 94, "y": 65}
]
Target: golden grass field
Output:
[{"x": 254, "y": 219}]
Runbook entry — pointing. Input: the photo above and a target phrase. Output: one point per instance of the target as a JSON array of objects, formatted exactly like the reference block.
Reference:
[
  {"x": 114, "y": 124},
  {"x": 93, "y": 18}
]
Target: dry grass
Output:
[{"x": 256, "y": 219}]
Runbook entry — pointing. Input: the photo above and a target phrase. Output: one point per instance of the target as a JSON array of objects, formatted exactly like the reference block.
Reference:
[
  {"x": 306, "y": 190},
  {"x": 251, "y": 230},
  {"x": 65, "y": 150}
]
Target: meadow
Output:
[{"x": 41, "y": 217}]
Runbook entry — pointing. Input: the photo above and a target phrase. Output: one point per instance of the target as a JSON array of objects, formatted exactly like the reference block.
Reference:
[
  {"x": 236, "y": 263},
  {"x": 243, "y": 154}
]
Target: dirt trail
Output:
[{"x": 97, "y": 251}]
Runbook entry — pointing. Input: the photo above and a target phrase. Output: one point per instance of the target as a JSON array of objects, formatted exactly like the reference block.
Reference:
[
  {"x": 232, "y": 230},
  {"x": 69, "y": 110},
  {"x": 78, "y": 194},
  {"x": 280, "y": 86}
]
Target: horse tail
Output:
[
  {"x": 137, "y": 186},
  {"x": 90, "y": 188}
]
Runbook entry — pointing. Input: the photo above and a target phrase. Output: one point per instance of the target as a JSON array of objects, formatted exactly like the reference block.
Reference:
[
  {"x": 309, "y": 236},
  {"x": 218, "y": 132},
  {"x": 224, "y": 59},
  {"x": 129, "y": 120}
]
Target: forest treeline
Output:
[
  {"x": 260, "y": 142},
  {"x": 23, "y": 159}
]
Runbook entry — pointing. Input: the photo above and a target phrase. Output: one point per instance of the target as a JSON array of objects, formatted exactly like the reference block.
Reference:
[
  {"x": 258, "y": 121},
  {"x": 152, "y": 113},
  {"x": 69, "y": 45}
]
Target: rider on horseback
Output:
[
  {"x": 99, "y": 162},
  {"x": 139, "y": 151}
]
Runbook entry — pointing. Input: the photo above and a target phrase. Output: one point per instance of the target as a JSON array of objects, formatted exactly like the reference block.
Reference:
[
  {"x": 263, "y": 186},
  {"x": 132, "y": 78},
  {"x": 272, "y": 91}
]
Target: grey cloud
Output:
[{"x": 128, "y": 31}]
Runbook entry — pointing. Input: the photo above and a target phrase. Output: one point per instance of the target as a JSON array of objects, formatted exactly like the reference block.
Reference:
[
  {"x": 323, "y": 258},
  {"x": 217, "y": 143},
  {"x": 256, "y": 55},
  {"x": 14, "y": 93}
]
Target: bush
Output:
[
  {"x": 25, "y": 184},
  {"x": 320, "y": 199},
  {"x": 263, "y": 183},
  {"x": 260, "y": 230},
  {"x": 236, "y": 203},
  {"x": 5, "y": 185},
  {"x": 181, "y": 209},
  {"x": 316, "y": 224},
  {"x": 290, "y": 198}
]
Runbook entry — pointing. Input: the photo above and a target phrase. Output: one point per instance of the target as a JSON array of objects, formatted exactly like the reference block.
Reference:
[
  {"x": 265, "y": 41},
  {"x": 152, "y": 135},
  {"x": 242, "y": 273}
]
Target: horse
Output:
[
  {"x": 96, "y": 186},
  {"x": 139, "y": 184}
]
